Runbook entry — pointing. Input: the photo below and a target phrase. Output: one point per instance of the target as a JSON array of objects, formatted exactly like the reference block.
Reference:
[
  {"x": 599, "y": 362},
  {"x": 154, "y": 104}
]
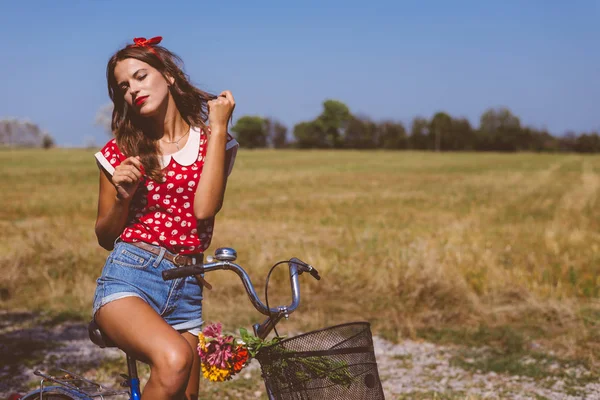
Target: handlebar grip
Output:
[
  {"x": 315, "y": 273},
  {"x": 182, "y": 272}
]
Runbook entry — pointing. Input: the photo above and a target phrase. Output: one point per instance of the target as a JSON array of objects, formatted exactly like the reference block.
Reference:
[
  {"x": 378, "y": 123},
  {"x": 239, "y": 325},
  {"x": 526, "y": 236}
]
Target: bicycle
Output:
[{"x": 287, "y": 386}]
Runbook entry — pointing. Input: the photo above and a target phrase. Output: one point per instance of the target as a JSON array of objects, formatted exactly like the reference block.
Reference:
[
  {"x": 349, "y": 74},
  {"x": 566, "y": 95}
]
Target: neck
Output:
[{"x": 170, "y": 126}]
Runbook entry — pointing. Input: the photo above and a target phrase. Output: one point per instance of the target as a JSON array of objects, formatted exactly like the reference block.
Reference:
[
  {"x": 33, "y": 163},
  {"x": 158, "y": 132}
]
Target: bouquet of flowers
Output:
[{"x": 222, "y": 356}]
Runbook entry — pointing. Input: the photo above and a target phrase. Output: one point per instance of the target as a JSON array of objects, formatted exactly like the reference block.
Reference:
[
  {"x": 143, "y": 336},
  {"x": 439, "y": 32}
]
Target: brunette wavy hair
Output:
[{"x": 128, "y": 127}]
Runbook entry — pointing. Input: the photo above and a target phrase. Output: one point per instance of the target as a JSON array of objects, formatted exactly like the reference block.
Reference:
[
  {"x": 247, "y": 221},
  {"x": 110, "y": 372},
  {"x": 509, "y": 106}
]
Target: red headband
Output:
[{"x": 147, "y": 43}]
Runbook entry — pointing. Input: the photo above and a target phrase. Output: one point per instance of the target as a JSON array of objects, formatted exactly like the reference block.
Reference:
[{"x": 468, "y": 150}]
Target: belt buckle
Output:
[{"x": 176, "y": 262}]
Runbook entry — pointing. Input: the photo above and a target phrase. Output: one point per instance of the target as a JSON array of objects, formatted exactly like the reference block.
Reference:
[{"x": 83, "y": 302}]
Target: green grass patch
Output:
[{"x": 506, "y": 339}]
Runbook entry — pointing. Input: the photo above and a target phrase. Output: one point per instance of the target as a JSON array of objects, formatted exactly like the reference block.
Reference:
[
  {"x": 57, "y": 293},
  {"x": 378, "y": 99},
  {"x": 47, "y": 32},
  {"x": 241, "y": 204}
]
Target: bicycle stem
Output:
[{"x": 262, "y": 330}]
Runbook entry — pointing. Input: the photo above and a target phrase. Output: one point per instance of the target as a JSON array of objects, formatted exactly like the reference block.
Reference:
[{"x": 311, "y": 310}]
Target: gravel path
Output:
[{"x": 408, "y": 370}]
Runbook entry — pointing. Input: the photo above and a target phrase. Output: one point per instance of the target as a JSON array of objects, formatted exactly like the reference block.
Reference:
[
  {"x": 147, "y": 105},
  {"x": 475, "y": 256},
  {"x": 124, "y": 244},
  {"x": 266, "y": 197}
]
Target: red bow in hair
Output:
[
  {"x": 147, "y": 43},
  {"x": 141, "y": 41}
]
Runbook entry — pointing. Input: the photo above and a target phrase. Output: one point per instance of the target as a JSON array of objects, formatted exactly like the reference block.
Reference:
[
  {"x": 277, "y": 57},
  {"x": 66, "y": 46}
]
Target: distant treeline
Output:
[
  {"x": 337, "y": 128},
  {"x": 18, "y": 133}
]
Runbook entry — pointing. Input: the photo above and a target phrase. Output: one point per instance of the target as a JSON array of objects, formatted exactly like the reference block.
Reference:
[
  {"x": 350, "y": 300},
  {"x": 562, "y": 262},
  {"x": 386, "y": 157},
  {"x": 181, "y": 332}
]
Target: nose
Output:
[
  {"x": 134, "y": 87},
  {"x": 134, "y": 92}
]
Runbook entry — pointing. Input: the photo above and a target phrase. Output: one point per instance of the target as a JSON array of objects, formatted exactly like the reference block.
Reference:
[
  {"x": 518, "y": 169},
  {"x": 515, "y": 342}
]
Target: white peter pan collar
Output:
[{"x": 188, "y": 154}]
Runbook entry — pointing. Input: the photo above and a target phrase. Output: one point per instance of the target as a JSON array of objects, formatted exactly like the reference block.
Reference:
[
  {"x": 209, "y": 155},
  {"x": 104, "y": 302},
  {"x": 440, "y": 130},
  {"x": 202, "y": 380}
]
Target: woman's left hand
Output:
[{"x": 220, "y": 109}]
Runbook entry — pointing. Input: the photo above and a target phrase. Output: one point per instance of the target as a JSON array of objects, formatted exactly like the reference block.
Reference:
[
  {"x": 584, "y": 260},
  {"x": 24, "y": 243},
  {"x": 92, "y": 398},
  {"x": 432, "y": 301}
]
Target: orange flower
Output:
[{"x": 239, "y": 359}]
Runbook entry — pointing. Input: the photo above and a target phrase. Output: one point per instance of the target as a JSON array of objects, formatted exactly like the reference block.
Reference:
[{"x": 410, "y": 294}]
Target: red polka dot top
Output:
[{"x": 161, "y": 213}]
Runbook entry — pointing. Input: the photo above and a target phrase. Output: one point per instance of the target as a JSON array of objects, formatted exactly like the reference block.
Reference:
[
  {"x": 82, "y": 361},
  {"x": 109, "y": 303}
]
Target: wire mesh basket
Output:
[{"x": 332, "y": 363}]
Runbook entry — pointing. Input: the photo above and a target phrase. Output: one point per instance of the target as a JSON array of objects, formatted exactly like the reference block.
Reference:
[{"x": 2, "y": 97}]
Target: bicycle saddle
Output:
[{"x": 99, "y": 339}]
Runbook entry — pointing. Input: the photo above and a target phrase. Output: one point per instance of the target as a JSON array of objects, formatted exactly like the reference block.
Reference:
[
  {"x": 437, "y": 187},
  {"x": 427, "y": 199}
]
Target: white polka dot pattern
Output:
[{"x": 154, "y": 215}]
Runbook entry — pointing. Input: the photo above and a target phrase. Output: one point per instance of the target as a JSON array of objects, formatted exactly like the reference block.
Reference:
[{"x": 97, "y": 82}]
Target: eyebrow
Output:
[{"x": 134, "y": 74}]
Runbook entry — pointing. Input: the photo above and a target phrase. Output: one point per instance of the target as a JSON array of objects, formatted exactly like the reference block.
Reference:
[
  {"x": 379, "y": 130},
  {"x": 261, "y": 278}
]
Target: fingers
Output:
[
  {"x": 132, "y": 171},
  {"x": 128, "y": 176},
  {"x": 128, "y": 172},
  {"x": 133, "y": 161},
  {"x": 132, "y": 164},
  {"x": 229, "y": 96},
  {"x": 224, "y": 98}
]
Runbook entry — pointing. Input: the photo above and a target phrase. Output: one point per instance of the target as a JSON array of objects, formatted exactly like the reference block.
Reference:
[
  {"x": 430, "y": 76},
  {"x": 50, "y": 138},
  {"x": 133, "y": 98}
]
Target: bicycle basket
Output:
[{"x": 332, "y": 363}]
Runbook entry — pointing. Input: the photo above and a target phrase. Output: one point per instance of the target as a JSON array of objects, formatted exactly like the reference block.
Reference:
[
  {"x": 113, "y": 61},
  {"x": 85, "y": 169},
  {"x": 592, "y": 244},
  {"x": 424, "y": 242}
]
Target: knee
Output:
[{"x": 173, "y": 366}]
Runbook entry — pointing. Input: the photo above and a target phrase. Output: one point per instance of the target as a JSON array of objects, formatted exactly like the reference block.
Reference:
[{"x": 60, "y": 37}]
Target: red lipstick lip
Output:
[{"x": 140, "y": 100}]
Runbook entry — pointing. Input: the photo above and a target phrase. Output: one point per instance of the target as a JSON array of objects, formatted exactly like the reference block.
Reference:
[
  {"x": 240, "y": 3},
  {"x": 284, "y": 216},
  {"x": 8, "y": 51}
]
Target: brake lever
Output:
[{"x": 308, "y": 268}]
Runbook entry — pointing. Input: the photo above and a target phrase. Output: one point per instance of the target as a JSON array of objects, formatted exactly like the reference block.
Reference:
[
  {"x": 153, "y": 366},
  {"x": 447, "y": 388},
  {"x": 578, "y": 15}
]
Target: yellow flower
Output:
[
  {"x": 201, "y": 342},
  {"x": 215, "y": 374}
]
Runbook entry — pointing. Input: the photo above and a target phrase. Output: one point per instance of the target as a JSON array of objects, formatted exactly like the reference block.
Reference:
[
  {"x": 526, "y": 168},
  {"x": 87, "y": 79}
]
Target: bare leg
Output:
[
  {"x": 193, "y": 386},
  {"x": 137, "y": 329}
]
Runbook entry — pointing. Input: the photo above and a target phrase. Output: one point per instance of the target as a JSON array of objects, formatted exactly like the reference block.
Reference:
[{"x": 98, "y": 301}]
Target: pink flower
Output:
[
  {"x": 220, "y": 354},
  {"x": 213, "y": 330}
]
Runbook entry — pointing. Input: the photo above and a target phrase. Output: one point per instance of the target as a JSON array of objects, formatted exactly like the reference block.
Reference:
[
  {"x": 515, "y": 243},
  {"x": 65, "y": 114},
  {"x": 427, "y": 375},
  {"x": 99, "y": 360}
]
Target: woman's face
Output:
[{"x": 143, "y": 87}]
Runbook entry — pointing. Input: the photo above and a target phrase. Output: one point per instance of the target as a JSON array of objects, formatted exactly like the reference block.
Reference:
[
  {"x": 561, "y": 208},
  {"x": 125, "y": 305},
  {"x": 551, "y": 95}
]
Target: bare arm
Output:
[
  {"x": 112, "y": 213},
  {"x": 211, "y": 188},
  {"x": 113, "y": 209}
]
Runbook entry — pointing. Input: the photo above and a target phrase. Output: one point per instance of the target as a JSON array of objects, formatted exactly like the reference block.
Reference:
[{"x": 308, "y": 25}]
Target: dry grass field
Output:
[{"x": 496, "y": 249}]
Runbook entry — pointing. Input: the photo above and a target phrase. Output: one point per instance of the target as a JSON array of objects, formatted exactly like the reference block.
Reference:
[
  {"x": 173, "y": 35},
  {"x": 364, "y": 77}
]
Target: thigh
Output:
[
  {"x": 193, "y": 385},
  {"x": 137, "y": 328}
]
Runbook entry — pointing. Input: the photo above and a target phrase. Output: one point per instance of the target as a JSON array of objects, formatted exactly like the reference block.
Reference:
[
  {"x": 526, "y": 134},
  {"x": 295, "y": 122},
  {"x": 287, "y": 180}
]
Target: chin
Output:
[{"x": 147, "y": 111}]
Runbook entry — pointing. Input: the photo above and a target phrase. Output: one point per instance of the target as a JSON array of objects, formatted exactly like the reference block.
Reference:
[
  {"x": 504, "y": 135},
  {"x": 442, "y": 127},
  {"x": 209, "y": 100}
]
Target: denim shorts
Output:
[{"x": 131, "y": 271}]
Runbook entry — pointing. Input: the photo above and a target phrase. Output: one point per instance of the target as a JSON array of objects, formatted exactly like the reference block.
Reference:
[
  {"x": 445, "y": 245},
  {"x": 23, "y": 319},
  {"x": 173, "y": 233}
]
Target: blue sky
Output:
[{"x": 384, "y": 59}]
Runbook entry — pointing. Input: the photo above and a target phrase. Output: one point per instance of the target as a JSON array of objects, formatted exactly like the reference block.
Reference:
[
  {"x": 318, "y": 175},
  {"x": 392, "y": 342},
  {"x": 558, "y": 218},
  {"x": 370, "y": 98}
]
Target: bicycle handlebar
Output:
[{"x": 296, "y": 268}]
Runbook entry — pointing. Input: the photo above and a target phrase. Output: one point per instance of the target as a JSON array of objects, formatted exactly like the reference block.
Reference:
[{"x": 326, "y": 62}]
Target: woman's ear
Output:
[{"x": 169, "y": 79}]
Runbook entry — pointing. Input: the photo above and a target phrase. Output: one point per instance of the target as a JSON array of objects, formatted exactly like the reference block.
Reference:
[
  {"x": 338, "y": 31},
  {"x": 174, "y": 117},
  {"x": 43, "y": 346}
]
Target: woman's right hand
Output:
[{"x": 127, "y": 177}]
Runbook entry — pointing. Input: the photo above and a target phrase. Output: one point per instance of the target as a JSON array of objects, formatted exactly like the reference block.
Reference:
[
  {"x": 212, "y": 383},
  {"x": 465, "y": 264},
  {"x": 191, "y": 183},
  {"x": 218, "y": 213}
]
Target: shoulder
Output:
[
  {"x": 112, "y": 149},
  {"x": 111, "y": 145},
  {"x": 110, "y": 156}
]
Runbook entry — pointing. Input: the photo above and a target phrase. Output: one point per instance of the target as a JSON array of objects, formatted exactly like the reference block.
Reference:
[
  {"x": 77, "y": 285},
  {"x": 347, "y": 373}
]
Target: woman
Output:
[{"x": 162, "y": 182}]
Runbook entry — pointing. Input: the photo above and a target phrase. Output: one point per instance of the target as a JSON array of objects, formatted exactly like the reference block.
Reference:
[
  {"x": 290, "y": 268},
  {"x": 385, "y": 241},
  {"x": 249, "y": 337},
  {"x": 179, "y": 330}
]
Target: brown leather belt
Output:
[{"x": 179, "y": 260}]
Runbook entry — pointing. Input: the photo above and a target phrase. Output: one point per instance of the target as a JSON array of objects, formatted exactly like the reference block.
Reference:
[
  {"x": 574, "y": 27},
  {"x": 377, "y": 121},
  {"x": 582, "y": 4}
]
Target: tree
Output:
[
  {"x": 309, "y": 135},
  {"x": 588, "y": 143},
  {"x": 104, "y": 117},
  {"x": 361, "y": 133},
  {"x": 47, "y": 141},
  {"x": 391, "y": 135},
  {"x": 419, "y": 134},
  {"x": 440, "y": 125},
  {"x": 276, "y": 133},
  {"x": 500, "y": 130},
  {"x": 21, "y": 133},
  {"x": 6, "y": 131},
  {"x": 333, "y": 121},
  {"x": 461, "y": 136},
  {"x": 493, "y": 120},
  {"x": 251, "y": 132},
  {"x": 568, "y": 142}
]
